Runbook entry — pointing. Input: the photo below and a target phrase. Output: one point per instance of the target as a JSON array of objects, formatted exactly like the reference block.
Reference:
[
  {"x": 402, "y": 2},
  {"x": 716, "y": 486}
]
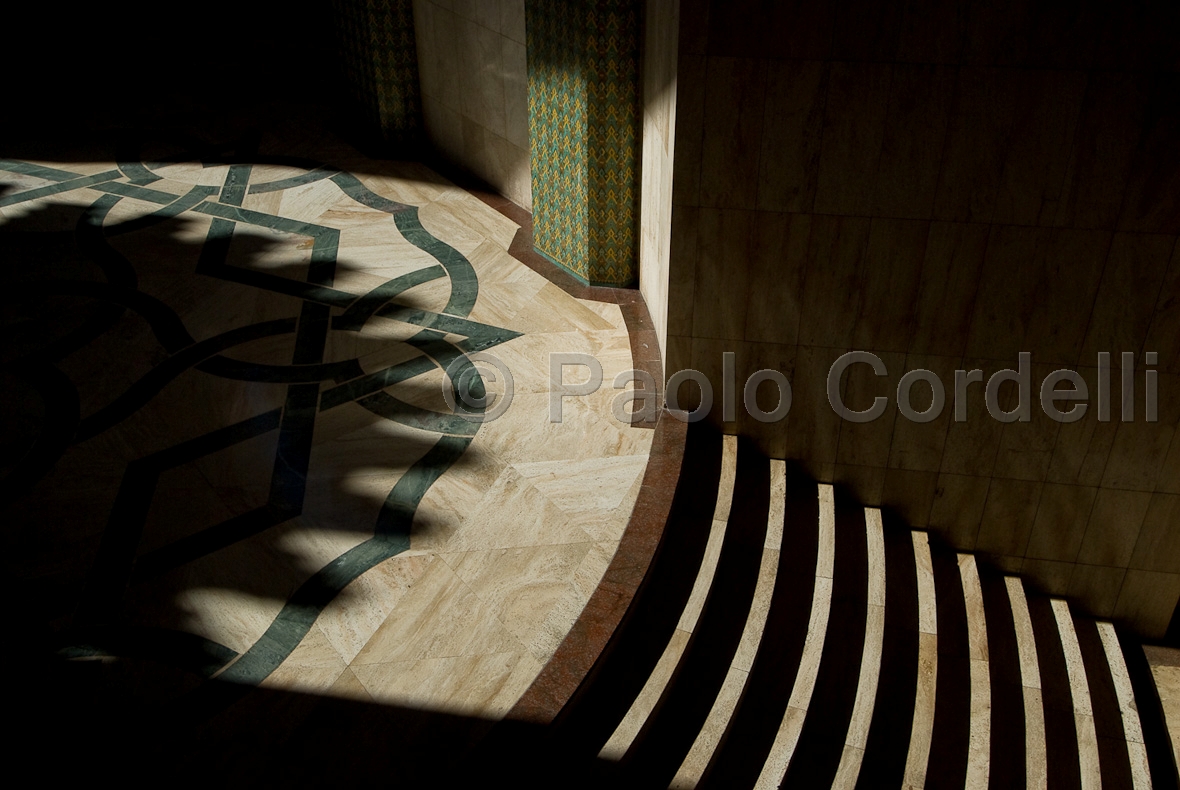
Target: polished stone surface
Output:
[
  {"x": 242, "y": 461},
  {"x": 945, "y": 185}
]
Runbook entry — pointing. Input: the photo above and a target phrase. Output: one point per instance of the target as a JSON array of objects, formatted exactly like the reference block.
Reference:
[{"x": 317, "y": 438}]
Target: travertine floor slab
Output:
[{"x": 276, "y": 490}]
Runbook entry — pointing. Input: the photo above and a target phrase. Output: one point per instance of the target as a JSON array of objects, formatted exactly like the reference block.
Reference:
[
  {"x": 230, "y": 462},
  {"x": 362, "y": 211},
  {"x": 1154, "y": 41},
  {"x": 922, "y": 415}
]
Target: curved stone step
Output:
[
  {"x": 650, "y": 697},
  {"x": 886, "y": 749},
  {"x": 950, "y": 744},
  {"x": 820, "y": 750},
  {"x": 1150, "y": 714},
  {"x": 801, "y": 589},
  {"x": 1007, "y": 760},
  {"x": 1035, "y": 760},
  {"x": 733, "y": 689},
  {"x": 922, "y": 731},
  {"x": 786, "y": 636},
  {"x": 1114, "y": 758},
  {"x": 668, "y": 734},
  {"x": 594, "y": 711}
]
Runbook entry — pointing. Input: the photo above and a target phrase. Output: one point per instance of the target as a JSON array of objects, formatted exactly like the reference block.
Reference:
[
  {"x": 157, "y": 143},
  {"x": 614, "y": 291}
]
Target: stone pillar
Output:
[
  {"x": 584, "y": 133},
  {"x": 380, "y": 65}
]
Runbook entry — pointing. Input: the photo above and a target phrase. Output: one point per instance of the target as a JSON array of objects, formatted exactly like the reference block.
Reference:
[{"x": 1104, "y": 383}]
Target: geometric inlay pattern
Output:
[{"x": 314, "y": 387}]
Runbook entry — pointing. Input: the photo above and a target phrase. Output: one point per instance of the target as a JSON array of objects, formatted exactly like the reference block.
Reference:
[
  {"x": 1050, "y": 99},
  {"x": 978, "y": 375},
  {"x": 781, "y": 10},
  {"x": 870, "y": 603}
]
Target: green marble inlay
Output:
[
  {"x": 385, "y": 405},
  {"x": 374, "y": 382},
  {"x": 392, "y": 538},
  {"x": 162, "y": 374},
  {"x": 236, "y": 182},
  {"x": 479, "y": 336},
  {"x": 38, "y": 171},
  {"x": 138, "y": 173},
  {"x": 464, "y": 283},
  {"x": 173, "y": 209},
  {"x": 259, "y": 219},
  {"x": 57, "y": 189},
  {"x": 138, "y": 192},
  {"x": 240, "y": 370},
  {"x": 367, "y": 306},
  {"x": 296, "y": 421},
  {"x": 294, "y": 181}
]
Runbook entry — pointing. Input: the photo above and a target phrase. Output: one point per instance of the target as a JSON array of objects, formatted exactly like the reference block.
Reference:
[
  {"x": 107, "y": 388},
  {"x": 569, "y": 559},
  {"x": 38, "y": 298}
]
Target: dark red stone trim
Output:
[
  {"x": 645, "y": 345},
  {"x": 584, "y": 643}
]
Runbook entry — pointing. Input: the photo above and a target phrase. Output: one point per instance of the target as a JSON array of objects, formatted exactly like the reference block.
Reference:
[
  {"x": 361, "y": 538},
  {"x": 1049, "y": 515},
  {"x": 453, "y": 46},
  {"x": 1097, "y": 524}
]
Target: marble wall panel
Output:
[
  {"x": 659, "y": 142},
  {"x": 868, "y": 443},
  {"x": 1145, "y": 40},
  {"x": 981, "y": 118},
  {"x": 1008, "y": 517},
  {"x": 932, "y": 31},
  {"x": 682, "y": 276},
  {"x": 791, "y": 131},
  {"x": 1114, "y": 527},
  {"x": 997, "y": 33},
  {"x": 833, "y": 280},
  {"x": 910, "y": 494},
  {"x": 735, "y": 91},
  {"x": 1151, "y": 203},
  {"x": 919, "y": 446},
  {"x": 1096, "y": 586},
  {"x": 689, "y": 129},
  {"x": 771, "y": 437},
  {"x": 1062, "y": 515},
  {"x": 474, "y": 85},
  {"x": 813, "y": 429},
  {"x": 754, "y": 28},
  {"x": 1156, "y": 548},
  {"x": 916, "y": 125},
  {"x": 725, "y": 242},
  {"x": 892, "y": 281},
  {"x": 957, "y": 509},
  {"x": 1139, "y": 448},
  {"x": 1047, "y": 106},
  {"x": 775, "y": 286},
  {"x": 1132, "y": 282},
  {"x": 1164, "y": 334},
  {"x": 1026, "y": 448},
  {"x": 1105, "y": 141},
  {"x": 1083, "y": 447},
  {"x": 1147, "y": 599},
  {"x": 947, "y": 185},
  {"x": 951, "y": 268},
  {"x": 1047, "y": 574},
  {"x": 867, "y": 29},
  {"x": 853, "y": 135}
]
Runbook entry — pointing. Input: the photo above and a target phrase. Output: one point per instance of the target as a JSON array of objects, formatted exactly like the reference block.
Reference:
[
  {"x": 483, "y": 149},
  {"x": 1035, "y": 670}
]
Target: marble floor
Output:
[{"x": 227, "y": 452}]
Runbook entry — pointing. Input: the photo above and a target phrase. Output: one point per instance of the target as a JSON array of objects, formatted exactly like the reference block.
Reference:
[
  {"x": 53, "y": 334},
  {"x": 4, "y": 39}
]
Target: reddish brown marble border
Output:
[
  {"x": 588, "y": 637},
  {"x": 645, "y": 344}
]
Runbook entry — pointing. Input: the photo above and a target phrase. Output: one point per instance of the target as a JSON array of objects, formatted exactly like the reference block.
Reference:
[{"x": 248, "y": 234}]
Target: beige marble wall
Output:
[
  {"x": 946, "y": 185},
  {"x": 659, "y": 141},
  {"x": 474, "y": 79}
]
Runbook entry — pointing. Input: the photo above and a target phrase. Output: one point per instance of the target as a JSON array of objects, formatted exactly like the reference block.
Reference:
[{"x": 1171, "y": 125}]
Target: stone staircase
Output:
[{"x": 785, "y": 636}]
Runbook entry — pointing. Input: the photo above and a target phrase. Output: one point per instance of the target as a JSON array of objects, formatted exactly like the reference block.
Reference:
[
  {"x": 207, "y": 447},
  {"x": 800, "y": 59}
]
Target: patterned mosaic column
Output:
[
  {"x": 380, "y": 63},
  {"x": 584, "y": 131}
]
